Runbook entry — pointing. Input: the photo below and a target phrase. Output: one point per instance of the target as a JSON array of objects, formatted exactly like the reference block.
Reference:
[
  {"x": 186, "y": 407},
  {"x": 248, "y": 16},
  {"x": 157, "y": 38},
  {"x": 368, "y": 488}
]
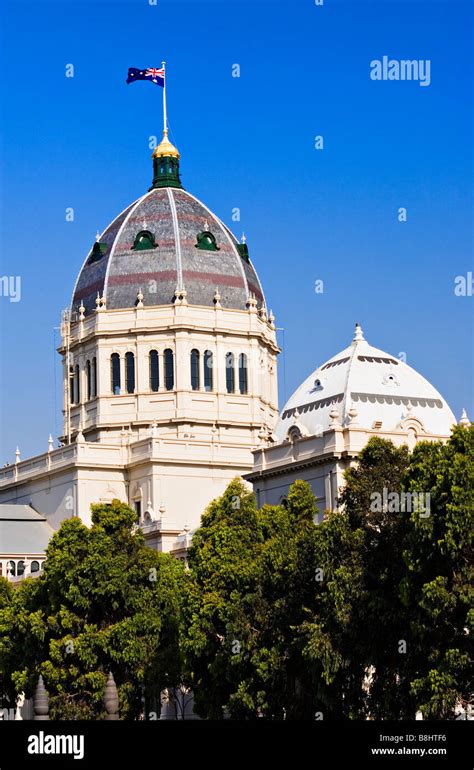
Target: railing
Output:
[
  {"x": 93, "y": 452},
  {"x": 115, "y": 455}
]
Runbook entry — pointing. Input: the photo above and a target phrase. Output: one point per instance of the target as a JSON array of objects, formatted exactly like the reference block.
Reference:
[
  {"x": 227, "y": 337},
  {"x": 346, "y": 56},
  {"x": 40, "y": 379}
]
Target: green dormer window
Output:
[
  {"x": 243, "y": 251},
  {"x": 144, "y": 240},
  {"x": 98, "y": 251},
  {"x": 206, "y": 240}
]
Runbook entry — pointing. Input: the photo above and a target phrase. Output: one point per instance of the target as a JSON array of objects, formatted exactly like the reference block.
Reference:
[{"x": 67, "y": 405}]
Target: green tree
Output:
[
  {"x": 373, "y": 503},
  {"x": 222, "y": 590},
  {"x": 411, "y": 622},
  {"x": 333, "y": 619},
  {"x": 105, "y": 602},
  {"x": 5, "y": 592},
  {"x": 248, "y": 588},
  {"x": 437, "y": 591}
]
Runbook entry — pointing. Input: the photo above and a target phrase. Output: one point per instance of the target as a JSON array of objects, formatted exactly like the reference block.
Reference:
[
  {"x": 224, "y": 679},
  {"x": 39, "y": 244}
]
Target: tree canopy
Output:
[
  {"x": 106, "y": 602},
  {"x": 367, "y": 614}
]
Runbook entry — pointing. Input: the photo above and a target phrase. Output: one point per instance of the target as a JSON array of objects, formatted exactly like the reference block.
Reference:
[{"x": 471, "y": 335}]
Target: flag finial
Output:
[{"x": 165, "y": 155}]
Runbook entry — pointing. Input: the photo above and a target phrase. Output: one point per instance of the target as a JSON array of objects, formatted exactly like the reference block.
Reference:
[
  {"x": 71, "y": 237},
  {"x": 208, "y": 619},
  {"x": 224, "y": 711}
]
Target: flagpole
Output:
[{"x": 165, "y": 119}]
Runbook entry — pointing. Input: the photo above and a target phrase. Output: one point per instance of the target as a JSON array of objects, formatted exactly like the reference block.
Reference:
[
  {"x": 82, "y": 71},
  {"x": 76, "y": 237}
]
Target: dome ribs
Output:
[
  {"x": 363, "y": 378},
  {"x": 174, "y": 217}
]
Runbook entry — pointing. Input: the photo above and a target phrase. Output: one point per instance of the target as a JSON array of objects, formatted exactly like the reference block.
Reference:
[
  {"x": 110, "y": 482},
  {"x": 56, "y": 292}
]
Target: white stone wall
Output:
[
  {"x": 180, "y": 328},
  {"x": 319, "y": 460}
]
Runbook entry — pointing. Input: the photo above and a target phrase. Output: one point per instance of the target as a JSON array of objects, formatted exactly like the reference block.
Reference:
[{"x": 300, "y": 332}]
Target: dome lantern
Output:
[{"x": 165, "y": 164}]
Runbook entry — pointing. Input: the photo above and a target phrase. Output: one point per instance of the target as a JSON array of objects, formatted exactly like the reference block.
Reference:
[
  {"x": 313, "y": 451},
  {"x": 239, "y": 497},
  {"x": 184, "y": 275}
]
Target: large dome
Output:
[
  {"x": 379, "y": 390},
  {"x": 165, "y": 240}
]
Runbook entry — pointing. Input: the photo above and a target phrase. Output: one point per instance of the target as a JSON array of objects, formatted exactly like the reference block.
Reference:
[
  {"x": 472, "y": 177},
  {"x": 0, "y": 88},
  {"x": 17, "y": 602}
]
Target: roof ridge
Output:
[
  {"x": 117, "y": 237},
  {"x": 232, "y": 244}
]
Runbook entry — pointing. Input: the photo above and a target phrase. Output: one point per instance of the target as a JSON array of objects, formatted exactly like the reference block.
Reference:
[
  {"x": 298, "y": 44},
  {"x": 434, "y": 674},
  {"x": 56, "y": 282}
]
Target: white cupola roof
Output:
[{"x": 368, "y": 388}]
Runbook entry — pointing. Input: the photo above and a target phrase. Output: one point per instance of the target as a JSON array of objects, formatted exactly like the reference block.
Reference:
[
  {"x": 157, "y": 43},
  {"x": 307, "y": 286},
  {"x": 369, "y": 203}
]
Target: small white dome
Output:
[{"x": 381, "y": 390}]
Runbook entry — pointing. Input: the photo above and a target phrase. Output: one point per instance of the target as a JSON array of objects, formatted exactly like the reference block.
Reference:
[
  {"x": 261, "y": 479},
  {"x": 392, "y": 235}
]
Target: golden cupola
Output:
[
  {"x": 165, "y": 149},
  {"x": 165, "y": 164}
]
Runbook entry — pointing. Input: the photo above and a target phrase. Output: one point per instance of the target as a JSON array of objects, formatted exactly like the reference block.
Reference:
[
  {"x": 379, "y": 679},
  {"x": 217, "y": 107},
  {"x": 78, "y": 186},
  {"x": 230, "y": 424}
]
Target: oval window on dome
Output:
[
  {"x": 98, "y": 250},
  {"x": 144, "y": 240},
  {"x": 207, "y": 241},
  {"x": 390, "y": 379}
]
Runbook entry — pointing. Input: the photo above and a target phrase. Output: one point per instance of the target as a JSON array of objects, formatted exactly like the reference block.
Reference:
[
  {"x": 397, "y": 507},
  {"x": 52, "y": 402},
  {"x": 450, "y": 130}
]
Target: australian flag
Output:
[{"x": 153, "y": 75}]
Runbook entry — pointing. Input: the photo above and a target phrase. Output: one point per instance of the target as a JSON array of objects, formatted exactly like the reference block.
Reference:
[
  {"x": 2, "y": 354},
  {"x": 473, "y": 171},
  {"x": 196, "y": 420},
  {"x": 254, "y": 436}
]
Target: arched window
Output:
[
  {"x": 1, "y": 568},
  {"x": 144, "y": 240},
  {"x": 71, "y": 385},
  {"x": 20, "y": 569},
  {"x": 11, "y": 568},
  {"x": 115, "y": 374},
  {"x": 294, "y": 434},
  {"x": 229, "y": 373},
  {"x": 207, "y": 241},
  {"x": 195, "y": 369},
  {"x": 154, "y": 371},
  {"x": 34, "y": 566},
  {"x": 243, "y": 375},
  {"x": 77, "y": 385},
  {"x": 94, "y": 377},
  {"x": 169, "y": 369},
  {"x": 130, "y": 372},
  {"x": 89, "y": 380},
  {"x": 208, "y": 374}
]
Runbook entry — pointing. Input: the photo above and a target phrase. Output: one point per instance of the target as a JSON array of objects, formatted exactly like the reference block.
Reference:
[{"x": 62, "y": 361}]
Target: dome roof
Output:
[
  {"x": 165, "y": 240},
  {"x": 368, "y": 386}
]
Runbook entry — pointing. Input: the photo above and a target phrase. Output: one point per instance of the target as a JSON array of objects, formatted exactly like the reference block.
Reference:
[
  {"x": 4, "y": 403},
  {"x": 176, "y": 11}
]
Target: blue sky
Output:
[{"x": 245, "y": 142}]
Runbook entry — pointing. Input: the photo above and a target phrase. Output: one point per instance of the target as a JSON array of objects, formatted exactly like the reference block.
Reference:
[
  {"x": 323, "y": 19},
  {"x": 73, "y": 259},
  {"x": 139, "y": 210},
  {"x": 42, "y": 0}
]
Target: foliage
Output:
[
  {"x": 262, "y": 635},
  {"x": 105, "y": 602},
  {"x": 367, "y": 614},
  {"x": 437, "y": 590}
]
